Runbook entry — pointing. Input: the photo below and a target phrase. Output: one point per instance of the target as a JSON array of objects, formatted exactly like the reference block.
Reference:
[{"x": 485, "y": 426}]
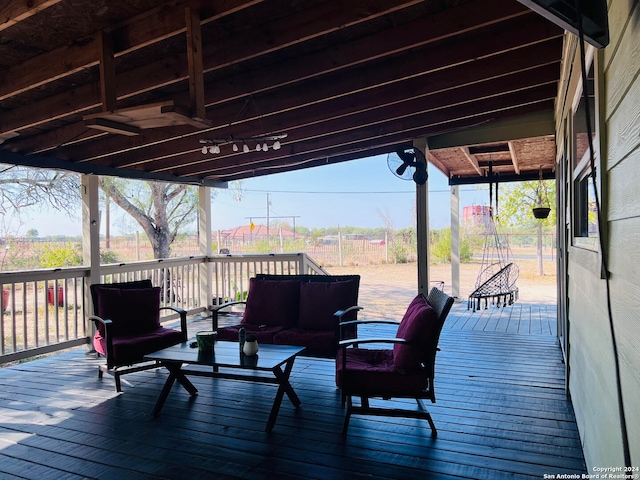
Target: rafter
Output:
[
  {"x": 194, "y": 56},
  {"x": 318, "y": 104},
  {"x": 514, "y": 158},
  {"x": 364, "y": 143},
  {"x": 358, "y": 129},
  {"x": 463, "y": 55},
  {"x": 134, "y": 34},
  {"x": 465, "y": 18},
  {"x": 66, "y": 60},
  {"x": 471, "y": 159},
  {"x": 343, "y": 80},
  {"x": 15, "y": 11}
]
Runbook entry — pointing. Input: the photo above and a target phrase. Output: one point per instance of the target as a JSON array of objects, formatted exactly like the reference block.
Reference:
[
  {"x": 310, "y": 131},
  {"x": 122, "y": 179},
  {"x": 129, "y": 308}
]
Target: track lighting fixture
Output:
[{"x": 212, "y": 145}]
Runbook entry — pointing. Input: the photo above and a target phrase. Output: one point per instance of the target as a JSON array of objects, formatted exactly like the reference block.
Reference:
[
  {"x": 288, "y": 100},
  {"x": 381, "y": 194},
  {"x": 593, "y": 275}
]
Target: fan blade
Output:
[{"x": 401, "y": 169}]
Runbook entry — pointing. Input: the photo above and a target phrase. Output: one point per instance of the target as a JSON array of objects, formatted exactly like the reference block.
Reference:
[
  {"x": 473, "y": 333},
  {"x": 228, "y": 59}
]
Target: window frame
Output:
[{"x": 581, "y": 169}]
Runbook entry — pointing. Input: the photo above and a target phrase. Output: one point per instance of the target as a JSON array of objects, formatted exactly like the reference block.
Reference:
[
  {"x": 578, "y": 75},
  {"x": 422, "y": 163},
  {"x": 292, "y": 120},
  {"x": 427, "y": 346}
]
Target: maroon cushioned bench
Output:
[{"x": 302, "y": 310}]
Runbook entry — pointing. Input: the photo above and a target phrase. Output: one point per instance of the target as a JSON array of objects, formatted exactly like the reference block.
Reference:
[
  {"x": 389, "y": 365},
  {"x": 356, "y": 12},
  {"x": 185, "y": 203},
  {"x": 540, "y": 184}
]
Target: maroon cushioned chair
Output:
[
  {"x": 127, "y": 319},
  {"x": 404, "y": 371}
]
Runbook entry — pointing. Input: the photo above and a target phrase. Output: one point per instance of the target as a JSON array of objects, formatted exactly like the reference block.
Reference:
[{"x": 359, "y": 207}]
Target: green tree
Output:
[
  {"x": 32, "y": 233},
  {"x": 56, "y": 257},
  {"x": 517, "y": 201},
  {"x": 441, "y": 246}
]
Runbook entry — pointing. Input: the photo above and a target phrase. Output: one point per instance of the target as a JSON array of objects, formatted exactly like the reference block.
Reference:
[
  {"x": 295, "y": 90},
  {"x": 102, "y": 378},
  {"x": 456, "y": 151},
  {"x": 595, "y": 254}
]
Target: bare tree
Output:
[
  {"x": 23, "y": 187},
  {"x": 161, "y": 209}
]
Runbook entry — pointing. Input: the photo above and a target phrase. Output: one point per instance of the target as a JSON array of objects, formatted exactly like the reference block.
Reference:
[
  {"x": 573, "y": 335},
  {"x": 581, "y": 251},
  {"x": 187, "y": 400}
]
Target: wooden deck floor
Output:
[
  {"x": 523, "y": 318},
  {"x": 501, "y": 413}
]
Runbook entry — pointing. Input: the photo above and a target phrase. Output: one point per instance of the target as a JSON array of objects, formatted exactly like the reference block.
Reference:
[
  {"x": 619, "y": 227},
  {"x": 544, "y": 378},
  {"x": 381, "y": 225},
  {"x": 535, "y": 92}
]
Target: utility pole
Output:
[{"x": 267, "y": 217}]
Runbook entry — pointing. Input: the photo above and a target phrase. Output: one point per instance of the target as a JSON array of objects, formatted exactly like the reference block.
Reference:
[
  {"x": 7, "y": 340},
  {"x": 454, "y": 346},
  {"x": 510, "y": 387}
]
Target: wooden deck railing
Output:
[{"x": 42, "y": 311}]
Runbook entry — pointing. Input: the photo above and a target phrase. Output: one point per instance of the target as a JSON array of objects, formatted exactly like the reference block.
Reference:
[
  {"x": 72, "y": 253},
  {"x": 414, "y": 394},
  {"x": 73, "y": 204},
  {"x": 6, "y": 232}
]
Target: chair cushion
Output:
[
  {"x": 263, "y": 333},
  {"x": 319, "y": 301},
  {"x": 372, "y": 372},
  {"x": 130, "y": 349},
  {"x": 316, "y": 341},
  {"x": 418, "y": 326},
  {"x": 132, "y": 310},
  {"x": 146, "y": 283},
  {"x": 272, "y": 302}
]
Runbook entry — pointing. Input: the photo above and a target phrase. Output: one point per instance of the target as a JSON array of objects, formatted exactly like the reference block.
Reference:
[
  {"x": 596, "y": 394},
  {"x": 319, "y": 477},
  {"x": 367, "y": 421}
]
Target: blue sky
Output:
[{"x": 358, "y": 193}]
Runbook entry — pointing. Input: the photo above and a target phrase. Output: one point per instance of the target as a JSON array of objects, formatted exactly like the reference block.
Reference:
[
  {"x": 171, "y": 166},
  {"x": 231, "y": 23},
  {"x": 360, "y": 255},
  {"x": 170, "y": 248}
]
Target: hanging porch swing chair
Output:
[{"x": 496, "y": 282}]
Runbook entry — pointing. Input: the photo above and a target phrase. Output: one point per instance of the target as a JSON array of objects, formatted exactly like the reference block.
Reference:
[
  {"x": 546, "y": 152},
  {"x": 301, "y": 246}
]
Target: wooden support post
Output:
[
  {"x": 90, "y": 239},
  {"x": 422, "y": 225},
  {"x": 455, "y": 241},
  {"x": 204, "y": 235},
  {"x": 194, "y": 58},
  {"x": 107, "y": 72}
]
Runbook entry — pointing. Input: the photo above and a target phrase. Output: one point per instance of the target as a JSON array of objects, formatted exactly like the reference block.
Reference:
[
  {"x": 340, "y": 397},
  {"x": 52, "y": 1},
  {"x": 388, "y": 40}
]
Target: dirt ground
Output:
[{"x": 386, "y": 290}]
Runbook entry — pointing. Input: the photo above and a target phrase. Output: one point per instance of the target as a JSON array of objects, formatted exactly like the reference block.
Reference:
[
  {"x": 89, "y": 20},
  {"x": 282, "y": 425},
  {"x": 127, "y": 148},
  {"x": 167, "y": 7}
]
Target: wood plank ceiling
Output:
[{"x": 131, "y": 87}]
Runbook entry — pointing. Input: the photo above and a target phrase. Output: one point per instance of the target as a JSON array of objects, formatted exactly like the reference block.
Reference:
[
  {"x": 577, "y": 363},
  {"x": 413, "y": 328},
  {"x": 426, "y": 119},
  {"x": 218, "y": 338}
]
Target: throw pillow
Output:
[
  {"x": 418, "y": 326},
  {"x": 272, "y": 302},
  {"x": 320, "y": 300},
  {"x": 132, "y": 310}
]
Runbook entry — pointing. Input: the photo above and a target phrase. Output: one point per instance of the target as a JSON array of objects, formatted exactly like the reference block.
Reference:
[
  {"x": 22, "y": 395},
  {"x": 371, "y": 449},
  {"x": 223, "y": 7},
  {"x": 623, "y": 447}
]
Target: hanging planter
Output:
[{"x": 541, "y": 212}]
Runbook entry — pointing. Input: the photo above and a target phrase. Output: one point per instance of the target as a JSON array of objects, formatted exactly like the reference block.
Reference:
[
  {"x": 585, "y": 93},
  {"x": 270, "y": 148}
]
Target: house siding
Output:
[{"x": 592, "y": 380}]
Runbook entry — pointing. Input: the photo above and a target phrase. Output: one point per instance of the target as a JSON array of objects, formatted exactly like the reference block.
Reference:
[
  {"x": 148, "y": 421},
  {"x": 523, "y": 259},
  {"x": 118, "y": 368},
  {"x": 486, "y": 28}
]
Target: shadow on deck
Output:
[{"x": 501, "y": 412}]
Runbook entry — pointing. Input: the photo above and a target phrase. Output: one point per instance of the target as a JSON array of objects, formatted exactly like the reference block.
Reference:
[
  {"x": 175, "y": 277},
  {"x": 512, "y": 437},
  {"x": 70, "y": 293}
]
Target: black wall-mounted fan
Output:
[{"x": 408, "y": 165}]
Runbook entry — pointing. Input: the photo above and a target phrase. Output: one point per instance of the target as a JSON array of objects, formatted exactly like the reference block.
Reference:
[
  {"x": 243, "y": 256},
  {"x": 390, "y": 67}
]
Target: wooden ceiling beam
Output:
[
  {"x": 296, "y": 28},
  {"x": 357, "y": 128},
  {"x": 362, "y": 86},
  {"x": 194, "y": 56},
  {"x": 13, "y": 12},
  {"x": 359, "y": 145},
  {"x": 467, "y": 17},
  {"x": 471, "y": 158},
  {"x": 390, "y": 101},
  {"x": 107, "y": 72},
  {"x": 536, "y": 40},
  {"x": 151, "y": 27},
  {"x": 514, "y": 158}
]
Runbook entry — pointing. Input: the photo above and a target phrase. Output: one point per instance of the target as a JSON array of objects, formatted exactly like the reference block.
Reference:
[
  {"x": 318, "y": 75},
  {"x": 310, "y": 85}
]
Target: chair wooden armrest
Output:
[
  {"x": 215, "y": 310},
  {"x": 183, "y": 320}
]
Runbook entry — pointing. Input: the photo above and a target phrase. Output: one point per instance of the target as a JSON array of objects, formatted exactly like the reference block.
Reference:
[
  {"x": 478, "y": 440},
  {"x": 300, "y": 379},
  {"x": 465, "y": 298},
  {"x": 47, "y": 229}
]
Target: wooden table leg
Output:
[
  {"x": 175, "y": 373},
  {"x": 283, "y": 387}
]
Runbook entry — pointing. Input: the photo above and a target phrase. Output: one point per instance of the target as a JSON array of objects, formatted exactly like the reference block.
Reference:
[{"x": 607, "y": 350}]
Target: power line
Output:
[{"x": 356, "y": 193}]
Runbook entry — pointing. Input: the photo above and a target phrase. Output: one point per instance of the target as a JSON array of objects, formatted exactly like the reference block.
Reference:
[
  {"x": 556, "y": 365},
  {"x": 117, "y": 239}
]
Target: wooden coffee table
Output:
[{"x": 227, "y": 362}]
